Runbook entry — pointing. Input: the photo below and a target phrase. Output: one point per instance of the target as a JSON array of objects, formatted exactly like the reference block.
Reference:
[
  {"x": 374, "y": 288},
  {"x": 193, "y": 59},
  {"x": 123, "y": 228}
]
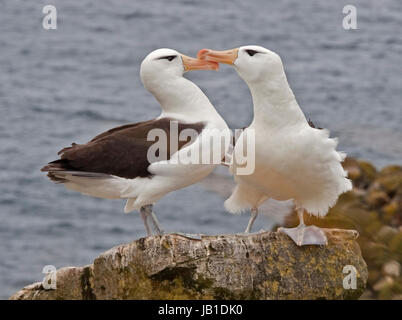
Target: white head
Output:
[
  {"x": 162, "y": 75},
  {"x": 263, "y": 71},
  {"x": 163, "y": 66},
  {"x": 252, "y": 63}
]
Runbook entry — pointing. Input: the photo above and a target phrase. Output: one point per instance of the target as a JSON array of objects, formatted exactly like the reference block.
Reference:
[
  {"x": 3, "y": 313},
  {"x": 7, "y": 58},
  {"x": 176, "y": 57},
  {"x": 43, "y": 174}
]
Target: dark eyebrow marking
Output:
[
  {"x": 170, "y": 58},
  {"x": 252, "y": 52}
]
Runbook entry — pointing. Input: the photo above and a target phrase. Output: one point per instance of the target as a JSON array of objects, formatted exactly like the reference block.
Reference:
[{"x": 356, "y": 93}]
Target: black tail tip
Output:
[{"x": 56, "y": 179}]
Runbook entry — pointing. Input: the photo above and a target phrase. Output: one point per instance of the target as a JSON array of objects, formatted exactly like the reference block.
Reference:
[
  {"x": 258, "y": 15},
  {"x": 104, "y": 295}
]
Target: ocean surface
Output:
[{"x": 67, "y": 85}]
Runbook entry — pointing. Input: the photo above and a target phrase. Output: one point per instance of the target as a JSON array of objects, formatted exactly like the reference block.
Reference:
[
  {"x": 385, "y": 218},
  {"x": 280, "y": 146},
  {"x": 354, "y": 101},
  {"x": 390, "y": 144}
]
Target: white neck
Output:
[
  {"x": 274, "y": 102},
  {"x": 182, "y": 99}
]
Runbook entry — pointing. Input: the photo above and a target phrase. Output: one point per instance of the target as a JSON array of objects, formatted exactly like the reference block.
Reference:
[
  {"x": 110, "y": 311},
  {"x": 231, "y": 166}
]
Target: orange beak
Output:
[
  {"x": 197, "y": 64},
  {"x": 226, "y": 56}
]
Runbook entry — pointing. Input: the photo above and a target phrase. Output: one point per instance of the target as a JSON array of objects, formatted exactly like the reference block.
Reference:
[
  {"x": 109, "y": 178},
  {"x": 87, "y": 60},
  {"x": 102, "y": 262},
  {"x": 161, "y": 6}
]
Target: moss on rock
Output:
[
  {"x": 374, "y": 209},
  {"x": 265, "y": 265}
]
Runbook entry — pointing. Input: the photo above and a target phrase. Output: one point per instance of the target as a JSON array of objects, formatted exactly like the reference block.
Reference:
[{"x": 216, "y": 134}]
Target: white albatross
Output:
[
  {"x": 115, "y": 164},
  {"x": 292, "y": 159}
]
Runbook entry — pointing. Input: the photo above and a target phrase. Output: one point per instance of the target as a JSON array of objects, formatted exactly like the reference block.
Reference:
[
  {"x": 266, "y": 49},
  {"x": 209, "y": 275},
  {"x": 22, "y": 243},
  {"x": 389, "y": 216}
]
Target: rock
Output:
[
  {"x": 369, "y": 172},
  {"x": 395, "y": 246},
  {"x": 391, "y": 208},
  {"x": 386, "y": 234},
  {"x": 383, "y": 283},
  {"x": 390, "y": 170},
  {"x": 352, "y": 167},
  {"x": 374, "y": 209},
  {"x": 367, "y": 295},
  {"x": 264, "y": 265},
  {"x": 373, "y": 228},
  {"x": 392, "y": 268},
  {"x": 362, "y": 173},
  {"x": 390, "y": 212},
  {"x": 373, "y": 276},
  {"x": 374, "y": 252},
  {"x": 390, "y": 179},
  {"x": 390, "y": 290},
  {"x": 376, "y": 198},
  {"x": 70, "y": 285}
]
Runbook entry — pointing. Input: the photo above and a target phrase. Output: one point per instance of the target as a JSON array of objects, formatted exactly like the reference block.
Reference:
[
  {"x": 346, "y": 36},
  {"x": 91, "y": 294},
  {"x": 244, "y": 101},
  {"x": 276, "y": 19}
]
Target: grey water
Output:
[{"x": 67, "y": 85}]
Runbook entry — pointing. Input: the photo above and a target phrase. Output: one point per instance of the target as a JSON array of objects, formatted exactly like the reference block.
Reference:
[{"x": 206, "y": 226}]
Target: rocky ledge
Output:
[
  {"x": 264, "y": 265},
  {"x": 374, "y": 209}
]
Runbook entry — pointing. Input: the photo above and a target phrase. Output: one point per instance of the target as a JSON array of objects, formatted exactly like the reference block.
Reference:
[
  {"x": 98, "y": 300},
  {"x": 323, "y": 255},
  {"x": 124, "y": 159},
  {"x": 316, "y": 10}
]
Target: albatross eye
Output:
[
  {"x": 170, "y": 58},
  {"x": 251, "y": 52}
]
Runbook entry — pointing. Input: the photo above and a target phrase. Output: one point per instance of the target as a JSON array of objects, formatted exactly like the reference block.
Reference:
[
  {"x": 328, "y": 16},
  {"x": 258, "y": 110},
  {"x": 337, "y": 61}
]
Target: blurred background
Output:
[{"x": 67, "y": 85}]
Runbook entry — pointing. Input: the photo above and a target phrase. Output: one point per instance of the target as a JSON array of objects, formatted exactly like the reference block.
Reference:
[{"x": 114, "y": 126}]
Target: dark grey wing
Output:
[{"x": 121, "y": 151}]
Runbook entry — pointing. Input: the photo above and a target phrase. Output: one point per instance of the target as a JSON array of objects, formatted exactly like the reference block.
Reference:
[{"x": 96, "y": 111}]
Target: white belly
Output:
[{"x": 298, "y": 164}]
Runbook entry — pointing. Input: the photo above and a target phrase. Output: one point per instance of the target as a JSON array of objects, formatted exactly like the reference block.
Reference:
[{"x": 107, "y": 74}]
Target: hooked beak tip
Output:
[
  {"x": 202, "y": 54},
  {"x": 226, "y": 56},
  {"x": 215, "y": 66},
  {"x": 198, "y": 64}
]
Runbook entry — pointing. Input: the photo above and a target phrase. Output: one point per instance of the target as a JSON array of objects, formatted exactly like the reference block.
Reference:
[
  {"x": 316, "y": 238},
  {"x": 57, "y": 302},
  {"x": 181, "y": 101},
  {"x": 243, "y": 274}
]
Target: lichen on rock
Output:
[
  {"x": 374, "y": 209},
  {"x": 264, "y": 265}
]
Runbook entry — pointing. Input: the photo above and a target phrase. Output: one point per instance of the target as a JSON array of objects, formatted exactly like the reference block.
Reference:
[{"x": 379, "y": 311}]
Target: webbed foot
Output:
[{"x": 304, "y": 235}]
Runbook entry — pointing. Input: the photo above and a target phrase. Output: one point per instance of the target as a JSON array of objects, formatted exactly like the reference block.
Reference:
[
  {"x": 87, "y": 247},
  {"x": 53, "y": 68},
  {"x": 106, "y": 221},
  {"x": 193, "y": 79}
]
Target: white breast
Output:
[{"x": 298, "y": 163}]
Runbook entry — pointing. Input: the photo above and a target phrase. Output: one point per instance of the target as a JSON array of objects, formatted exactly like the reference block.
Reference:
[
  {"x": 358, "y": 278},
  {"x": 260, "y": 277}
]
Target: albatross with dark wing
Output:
[
  {"x": 116, "y": 164},
  {"x": 292, "y": 159}
]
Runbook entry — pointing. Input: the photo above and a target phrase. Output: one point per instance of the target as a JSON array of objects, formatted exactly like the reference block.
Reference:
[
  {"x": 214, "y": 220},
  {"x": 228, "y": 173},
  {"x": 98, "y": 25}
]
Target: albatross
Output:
[
  {"x": 293, "y": 160},
  {"x": 116, "y": 165}
]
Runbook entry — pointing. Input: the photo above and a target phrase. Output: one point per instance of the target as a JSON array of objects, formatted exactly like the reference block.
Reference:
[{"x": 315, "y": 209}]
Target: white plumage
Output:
[
  {"x": 115, "y": 164},
  {"x": 292, "y": 159}
]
